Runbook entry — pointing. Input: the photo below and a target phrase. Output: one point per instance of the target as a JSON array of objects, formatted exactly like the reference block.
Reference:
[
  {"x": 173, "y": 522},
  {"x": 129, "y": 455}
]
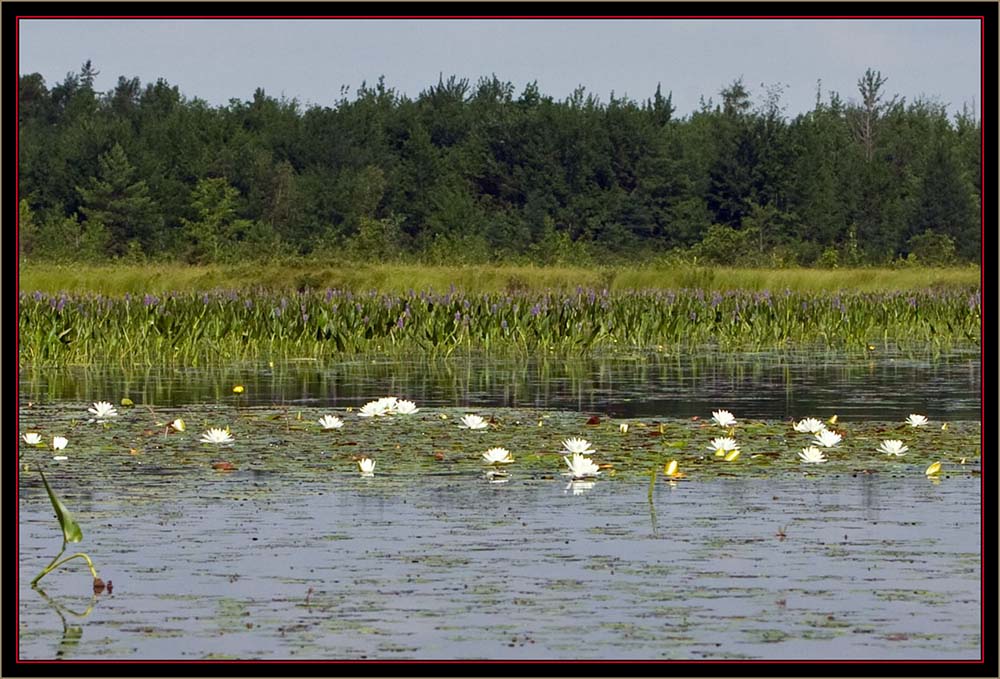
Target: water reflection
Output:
[
  {"x": 791, "y": 567},
  {"x": 755, "y": 385}
]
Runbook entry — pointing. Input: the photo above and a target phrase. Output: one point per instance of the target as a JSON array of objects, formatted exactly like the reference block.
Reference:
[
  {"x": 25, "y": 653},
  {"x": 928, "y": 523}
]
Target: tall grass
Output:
[
  {"x": 159, "y": 279},
  {"x": 192, "y": 328}
]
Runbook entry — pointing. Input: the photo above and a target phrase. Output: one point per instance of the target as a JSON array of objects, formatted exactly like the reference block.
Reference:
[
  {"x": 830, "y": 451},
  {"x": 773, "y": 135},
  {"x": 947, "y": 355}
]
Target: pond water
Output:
[
  {"x": 294, "y": 555},
  {"x": 763, "y": 385},
  {"x": 254, "y": 567}
]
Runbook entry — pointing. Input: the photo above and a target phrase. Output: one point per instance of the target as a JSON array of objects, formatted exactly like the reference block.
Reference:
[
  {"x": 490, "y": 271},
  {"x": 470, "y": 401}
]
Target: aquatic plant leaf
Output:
[{"x": 70, "y": 528}]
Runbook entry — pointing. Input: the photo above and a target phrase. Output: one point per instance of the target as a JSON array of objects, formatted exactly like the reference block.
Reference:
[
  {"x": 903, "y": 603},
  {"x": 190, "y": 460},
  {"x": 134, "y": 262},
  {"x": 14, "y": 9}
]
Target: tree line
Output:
[{"x": 479, "y": 172}]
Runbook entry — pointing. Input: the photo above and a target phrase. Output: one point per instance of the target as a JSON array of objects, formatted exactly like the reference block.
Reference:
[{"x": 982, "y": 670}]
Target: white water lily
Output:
[
  {"x": 581, "y": 466},
  {"x": 812, "y": 455},
  {"x": 406, "y": 407},
  {"x": 330, "y": 422},
  {"x": 216, "y": 436},
  {"x": 178, "y": 425},
  {"x": 577, "y": 445},
  {"x": 893, "y": 447},
  {"x": 388, "y": 403},
  {"x": 31, "y": 438},
  {"x": 916, "y": 420},
  {"x": 473, "y": 422},
  {"x": 623, "y": 427},
  {"x": 102, "y": 410},
  {"x": 374, "y": 409},
  {"x": 723, "y": 418},
  {"x": 498, "y": 456},
  {"x": 367, "y": 466},
  {"x": 827, "y": 438},
  {"x": 58, "y": 442},
  {"x": 723, "y": 445},
  {"x": 579, "y": 487},
  {"x": 59, "y": 458},
  {"x": 809, "y": 425}
]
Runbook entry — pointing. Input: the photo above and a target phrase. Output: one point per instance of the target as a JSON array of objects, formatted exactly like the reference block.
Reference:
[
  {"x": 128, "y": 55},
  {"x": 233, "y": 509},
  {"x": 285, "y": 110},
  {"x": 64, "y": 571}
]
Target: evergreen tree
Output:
[{"x": 120, "y": 202}]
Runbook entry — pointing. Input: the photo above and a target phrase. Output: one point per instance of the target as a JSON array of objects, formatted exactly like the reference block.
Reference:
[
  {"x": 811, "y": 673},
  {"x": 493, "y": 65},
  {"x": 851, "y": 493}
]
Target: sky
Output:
[{"x": 311, "y": 60}]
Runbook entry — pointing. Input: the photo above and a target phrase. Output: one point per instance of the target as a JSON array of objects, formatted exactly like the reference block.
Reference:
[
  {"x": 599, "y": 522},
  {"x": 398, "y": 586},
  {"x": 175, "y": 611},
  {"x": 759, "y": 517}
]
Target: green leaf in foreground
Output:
[{"x": 70, "y": 528}]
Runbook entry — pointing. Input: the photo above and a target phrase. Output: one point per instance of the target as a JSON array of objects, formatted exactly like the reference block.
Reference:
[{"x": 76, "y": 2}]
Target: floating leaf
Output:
[
  {"x": 935, "y": 468},
  {"x": 594, "y": 419},
  {"x": 70, "y": 528},
  {"x": 671, "y": 468},
  {"x": 238, "y": 389},
  {"x": 733, "y": 454},
  {"x": 127, "y": 402}
]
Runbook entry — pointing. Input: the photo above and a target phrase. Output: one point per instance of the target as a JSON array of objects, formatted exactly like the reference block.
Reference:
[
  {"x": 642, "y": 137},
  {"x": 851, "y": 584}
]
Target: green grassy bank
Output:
[{"x": 160, "y": 278}]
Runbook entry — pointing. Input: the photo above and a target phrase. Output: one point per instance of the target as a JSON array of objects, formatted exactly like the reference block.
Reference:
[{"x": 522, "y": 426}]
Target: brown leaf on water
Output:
[
  {"x": 223, "y": 466},
  {"x": 111, "y": 587},
  {"x": 98, "y": 585},
  {"x": 133, "y": 451},
  {"x": 438, "y": 456},
  {"x": 654, "y": 433},
  {"x": 594, "y": 419}
]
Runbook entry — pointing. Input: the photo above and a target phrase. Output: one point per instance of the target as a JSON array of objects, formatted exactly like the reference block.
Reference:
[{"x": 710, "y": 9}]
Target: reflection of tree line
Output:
[{"x": 579, "y": 383}]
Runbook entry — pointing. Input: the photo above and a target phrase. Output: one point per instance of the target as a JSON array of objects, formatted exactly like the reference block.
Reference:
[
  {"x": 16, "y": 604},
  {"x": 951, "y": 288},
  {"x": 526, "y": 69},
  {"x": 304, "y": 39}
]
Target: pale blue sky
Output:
[{"x": 309, "y": 60}]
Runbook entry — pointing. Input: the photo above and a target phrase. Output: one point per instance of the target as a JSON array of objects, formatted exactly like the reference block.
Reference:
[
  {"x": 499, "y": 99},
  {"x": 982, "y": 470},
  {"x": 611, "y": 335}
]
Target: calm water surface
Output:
[
  {"x": 260, "y": 563},
  {"x": 765, "y": 386},
  {"x": 447, "y": 567}
]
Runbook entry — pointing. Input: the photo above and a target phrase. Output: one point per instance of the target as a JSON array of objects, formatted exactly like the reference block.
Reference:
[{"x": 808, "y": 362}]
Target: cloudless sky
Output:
[{"x": 310, "y": 60}]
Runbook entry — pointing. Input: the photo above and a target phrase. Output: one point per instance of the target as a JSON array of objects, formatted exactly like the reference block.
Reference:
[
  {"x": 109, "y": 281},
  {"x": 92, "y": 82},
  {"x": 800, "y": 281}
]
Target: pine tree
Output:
[{"x": 121, "y": 203}]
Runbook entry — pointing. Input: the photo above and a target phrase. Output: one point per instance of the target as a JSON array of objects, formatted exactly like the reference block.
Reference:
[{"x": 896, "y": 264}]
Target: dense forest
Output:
[{"x": 469, "y": 173}]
